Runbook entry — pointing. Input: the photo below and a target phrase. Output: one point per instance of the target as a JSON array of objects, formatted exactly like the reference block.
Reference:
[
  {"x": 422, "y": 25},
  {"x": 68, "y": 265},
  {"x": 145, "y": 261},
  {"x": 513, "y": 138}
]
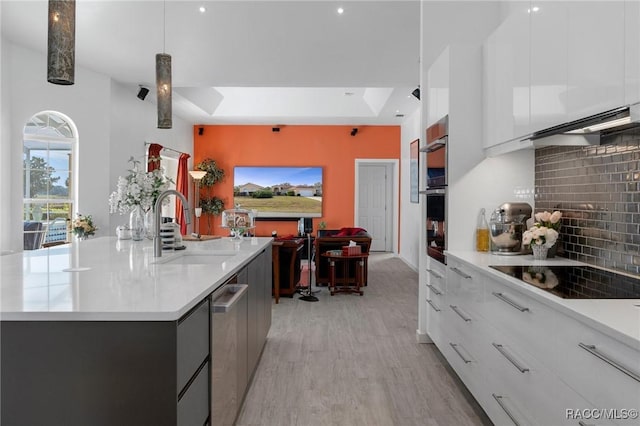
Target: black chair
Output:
[{"x": 33, "y": 235}]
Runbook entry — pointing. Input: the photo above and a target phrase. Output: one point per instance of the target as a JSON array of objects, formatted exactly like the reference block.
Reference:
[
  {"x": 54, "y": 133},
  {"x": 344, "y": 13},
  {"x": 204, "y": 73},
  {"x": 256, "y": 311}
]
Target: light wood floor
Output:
[{"x": 353, "y": 360}]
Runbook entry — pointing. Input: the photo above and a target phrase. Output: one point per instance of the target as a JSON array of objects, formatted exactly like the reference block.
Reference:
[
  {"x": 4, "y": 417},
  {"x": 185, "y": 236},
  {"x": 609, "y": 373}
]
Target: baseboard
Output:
[{"x": 422, "y": 337}]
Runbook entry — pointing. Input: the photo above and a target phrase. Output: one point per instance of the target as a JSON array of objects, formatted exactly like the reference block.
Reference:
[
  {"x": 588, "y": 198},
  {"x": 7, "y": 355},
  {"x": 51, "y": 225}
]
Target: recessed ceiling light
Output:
[
  {"x": 202, "y": 9},
  {"x": 340, "y": 11}
]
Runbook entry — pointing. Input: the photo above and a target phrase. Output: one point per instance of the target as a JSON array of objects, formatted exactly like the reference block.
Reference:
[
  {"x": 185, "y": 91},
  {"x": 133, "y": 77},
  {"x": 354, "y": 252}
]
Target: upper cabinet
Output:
[
  {"x": 553, "y": 62},
  {"x": 632, "y": 51},
  {"x": 438, "y": 88},
  {"x": 506, "y": 78},
  {"x": 548, "y": 40},
  {"x": 596, "y": 57}
]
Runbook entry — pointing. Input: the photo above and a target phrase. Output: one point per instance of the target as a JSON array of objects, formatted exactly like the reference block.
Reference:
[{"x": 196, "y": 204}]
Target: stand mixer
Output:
[{"x": 506, "y": 226}]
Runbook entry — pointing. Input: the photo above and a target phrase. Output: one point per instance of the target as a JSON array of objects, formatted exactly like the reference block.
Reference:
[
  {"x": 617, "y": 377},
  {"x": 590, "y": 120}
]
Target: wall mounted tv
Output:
[{"x": 279, "y": 192}]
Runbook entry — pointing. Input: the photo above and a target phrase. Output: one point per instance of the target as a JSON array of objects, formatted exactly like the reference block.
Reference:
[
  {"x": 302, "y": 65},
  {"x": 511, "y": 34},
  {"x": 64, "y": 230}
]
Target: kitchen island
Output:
[{"x": 102, "y": 332}]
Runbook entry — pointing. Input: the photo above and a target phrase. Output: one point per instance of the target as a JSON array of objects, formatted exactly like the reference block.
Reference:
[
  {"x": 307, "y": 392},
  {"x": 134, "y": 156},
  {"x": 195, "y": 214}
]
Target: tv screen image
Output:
[{"x": 279, "y": 191}]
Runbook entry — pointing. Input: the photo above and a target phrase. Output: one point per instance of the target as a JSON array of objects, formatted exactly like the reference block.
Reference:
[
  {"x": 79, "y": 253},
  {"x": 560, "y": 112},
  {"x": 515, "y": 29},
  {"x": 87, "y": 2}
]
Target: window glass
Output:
[{"x": 48, "y": 146}]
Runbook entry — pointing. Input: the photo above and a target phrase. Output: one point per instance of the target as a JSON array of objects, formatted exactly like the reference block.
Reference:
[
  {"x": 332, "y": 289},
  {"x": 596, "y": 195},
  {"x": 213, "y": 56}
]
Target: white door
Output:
[{"x": 375, "y": 204}]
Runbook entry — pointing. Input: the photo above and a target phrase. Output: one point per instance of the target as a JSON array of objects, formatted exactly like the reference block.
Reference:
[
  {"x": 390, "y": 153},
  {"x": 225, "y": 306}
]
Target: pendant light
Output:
[
  {"x": 163, "y": 81},
  {"x": 61, "y": 42}
]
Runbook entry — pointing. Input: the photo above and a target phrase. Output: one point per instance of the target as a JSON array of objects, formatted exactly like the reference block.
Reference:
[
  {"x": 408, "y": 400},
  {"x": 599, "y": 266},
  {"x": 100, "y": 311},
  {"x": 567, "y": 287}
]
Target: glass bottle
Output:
[{"x": 482, "y": 233}]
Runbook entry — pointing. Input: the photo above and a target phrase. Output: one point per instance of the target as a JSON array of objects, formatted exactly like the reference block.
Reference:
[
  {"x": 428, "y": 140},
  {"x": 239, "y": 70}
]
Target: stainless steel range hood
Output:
[
  {"x": 589, "y": 130},
  {"x": 583, "y": 132}
]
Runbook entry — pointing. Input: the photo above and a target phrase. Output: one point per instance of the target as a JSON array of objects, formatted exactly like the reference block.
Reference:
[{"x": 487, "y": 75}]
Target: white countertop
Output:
[
  {"x": 618, "y": 318},
  {"x": 116, "y": 280}
]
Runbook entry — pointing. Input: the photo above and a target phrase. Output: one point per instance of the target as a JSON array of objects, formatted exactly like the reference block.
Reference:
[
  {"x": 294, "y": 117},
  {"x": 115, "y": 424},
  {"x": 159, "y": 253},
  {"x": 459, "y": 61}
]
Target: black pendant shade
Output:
[
  {"x": 61, "y": 49},
  {"x": 163, "y": 85}
]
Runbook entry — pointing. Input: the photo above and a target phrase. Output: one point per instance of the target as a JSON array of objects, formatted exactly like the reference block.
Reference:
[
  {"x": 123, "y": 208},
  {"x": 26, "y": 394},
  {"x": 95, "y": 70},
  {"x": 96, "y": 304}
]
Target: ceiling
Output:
[{"x": 249, "y": 62}]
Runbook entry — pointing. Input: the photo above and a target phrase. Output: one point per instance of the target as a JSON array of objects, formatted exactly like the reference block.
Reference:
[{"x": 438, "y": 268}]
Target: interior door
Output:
[{"x": 374, "y": 204}]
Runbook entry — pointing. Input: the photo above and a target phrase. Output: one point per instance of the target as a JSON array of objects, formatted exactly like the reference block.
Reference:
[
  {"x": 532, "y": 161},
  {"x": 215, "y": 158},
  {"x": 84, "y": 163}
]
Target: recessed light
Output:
[
  {"x": 340, "y": 11},
  {"x": 202, "y": 9}
]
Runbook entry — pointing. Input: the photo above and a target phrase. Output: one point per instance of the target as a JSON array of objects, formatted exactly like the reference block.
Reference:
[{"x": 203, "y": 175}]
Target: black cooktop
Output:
[{"x": 576, "y": 282}]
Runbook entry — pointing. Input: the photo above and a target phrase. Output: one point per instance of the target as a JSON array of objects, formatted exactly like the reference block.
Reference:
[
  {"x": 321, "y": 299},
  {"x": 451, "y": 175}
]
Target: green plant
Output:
[
  {"x": 214, "y": 173},
  {"x": 265, "y": 193},
  {"x": 211, "y": 205},
  {"x": 322, "y": 225}
]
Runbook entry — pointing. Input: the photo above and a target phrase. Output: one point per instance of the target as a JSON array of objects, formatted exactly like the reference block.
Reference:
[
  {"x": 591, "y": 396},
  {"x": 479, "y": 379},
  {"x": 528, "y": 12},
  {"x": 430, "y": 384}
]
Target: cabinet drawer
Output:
[
  {"x": 192, "y": 342},
  {"x": 594, "y": 365},
  {"x": 193, "y": 407},
  {"x": 435, "y": 320},
  {"x": 542, "y": 397},
  {"x": 524, "y": 321}
]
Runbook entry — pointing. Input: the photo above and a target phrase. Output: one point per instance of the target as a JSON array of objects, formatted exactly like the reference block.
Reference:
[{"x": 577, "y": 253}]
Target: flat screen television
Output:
[{"x": 279, "y": 192}]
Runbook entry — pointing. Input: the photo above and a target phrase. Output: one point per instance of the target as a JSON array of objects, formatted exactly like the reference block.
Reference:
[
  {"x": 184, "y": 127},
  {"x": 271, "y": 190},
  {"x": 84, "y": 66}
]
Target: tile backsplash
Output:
[{"x": 597, "y": 188}]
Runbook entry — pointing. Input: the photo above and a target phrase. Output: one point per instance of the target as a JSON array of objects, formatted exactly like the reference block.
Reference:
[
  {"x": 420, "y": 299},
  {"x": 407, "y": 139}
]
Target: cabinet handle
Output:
[
  {"x": 510, "y": 357},
  {"x": 459, "y": 272},
  {"x": 460, "y": 314},
  {"x": 511, "y": 302},
  {"x": 434, "y": 290},
  {"x": 435, "y": 274},
  {"x": 504, "y": 407},
  {"x": 435, "y": 308},
  {"x": 455, "y": 348},
  {"x": 594, "y": 351}
]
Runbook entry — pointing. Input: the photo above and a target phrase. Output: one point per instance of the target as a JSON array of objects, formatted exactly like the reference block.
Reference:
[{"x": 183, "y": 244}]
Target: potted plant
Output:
[{"x": 210, "y": 204}]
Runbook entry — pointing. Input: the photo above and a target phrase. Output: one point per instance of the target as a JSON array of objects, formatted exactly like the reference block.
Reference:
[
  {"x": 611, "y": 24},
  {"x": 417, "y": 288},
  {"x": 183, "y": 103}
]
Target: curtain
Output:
[
  {"x": 182, "y": 185},
  {"x": 153, "y": 155}
]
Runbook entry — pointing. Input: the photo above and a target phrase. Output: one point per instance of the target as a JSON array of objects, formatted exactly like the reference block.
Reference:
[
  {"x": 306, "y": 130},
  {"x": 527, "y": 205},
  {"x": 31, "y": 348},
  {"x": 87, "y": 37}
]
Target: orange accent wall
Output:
[{"x": 331, "y": 147}]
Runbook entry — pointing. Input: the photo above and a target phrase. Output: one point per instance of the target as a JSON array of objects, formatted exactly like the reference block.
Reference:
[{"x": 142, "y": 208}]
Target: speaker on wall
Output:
[{"x": 308, "y": 225}]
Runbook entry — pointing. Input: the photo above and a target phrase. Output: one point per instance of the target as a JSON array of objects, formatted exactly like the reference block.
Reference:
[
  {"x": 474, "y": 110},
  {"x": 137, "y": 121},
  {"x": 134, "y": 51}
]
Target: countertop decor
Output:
[
  {"x": 138, "y": 188},
  {"x": 83, "y": 226}
]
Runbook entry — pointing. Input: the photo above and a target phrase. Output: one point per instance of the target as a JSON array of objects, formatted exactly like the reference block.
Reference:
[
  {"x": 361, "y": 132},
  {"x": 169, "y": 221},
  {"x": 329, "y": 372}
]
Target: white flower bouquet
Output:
[
  {"x": 83, "y": 226},
  {"x": 539, "y": 235},
  {"x": 138, "y": 188},
  {"x": 549, "y": 220}
]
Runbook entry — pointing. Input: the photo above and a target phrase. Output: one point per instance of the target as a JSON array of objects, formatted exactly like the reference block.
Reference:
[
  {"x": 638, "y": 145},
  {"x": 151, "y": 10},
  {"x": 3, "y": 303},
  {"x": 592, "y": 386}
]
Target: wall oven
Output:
[{"x": 436, "y": 188}]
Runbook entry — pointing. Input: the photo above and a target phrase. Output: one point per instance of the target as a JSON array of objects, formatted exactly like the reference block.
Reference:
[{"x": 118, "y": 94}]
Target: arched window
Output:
[{"x": 48, "y": 179}]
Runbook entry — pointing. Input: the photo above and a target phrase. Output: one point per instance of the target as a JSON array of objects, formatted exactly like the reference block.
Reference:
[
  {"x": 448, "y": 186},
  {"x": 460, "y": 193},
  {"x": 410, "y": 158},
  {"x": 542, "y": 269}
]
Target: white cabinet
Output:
[
  {"x": 520, "y": 358},
  {"x": 435, "y": 300},
  {"x": 437, "y": 96},
  {"x": 506, "y": 79},
  {"x": 553, "y": 62},
  {"x": 595, "y": 57},
  {"x": 549, "y": 76},
  {"x": 632, "y": 51},
  {"x": 604, "y": 371}
]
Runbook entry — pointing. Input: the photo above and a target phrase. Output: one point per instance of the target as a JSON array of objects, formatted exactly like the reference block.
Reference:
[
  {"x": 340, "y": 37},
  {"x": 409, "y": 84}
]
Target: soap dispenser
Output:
[{"x": 482, "y": 233}]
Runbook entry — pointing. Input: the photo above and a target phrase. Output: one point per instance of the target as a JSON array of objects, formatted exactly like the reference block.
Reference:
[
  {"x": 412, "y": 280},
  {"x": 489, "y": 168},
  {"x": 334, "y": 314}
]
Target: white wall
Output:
[
  {"x": 410, "y": 214},
  {"x": 112, "y": 125},
  {"x": 134, "y": 122}
]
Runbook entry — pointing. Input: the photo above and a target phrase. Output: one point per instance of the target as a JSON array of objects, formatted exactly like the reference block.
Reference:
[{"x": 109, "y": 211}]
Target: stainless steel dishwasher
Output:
[{"x": 229, "y": 351}]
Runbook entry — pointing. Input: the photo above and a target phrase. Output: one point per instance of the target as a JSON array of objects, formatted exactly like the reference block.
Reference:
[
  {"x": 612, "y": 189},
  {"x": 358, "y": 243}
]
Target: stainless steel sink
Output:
[{"x": 196, "y": 258}]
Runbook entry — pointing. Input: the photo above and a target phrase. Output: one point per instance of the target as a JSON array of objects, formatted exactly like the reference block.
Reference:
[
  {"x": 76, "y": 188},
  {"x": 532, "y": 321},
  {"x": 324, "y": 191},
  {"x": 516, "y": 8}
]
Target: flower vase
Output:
[
  {"x": 149, "y": 222},
  {"x": 136, "y": 223},
  {"x": 539, "y": 251}
]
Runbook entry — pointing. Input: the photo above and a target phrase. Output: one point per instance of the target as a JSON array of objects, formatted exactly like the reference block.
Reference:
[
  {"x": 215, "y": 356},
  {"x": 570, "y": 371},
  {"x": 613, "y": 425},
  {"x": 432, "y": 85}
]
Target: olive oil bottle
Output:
[{"x": 482, "y": 233}]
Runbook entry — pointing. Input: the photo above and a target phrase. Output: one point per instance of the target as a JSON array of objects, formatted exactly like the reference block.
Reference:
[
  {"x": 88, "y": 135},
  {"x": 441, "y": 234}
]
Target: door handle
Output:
[{"x": 223, "y": 303}]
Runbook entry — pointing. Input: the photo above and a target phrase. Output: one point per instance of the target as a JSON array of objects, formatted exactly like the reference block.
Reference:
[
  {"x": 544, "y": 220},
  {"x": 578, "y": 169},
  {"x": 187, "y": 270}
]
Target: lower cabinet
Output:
[
  {"x": 106, "y": 372},
  {"x": 527, "y": 363}
]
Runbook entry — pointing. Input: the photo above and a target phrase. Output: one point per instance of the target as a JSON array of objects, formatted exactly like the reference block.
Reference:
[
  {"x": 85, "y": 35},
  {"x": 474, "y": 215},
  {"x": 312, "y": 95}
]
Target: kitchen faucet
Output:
[{"x": 157, "y": 241}]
